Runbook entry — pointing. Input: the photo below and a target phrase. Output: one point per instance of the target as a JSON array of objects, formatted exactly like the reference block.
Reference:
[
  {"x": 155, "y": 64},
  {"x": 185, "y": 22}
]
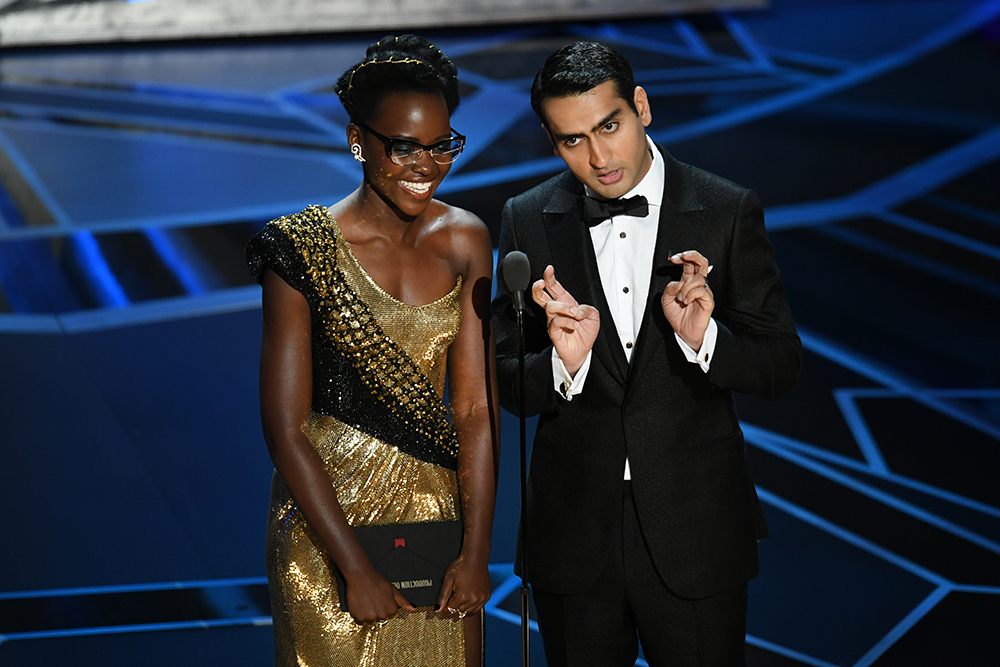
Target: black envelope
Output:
[{"x": 412, "y": 556}]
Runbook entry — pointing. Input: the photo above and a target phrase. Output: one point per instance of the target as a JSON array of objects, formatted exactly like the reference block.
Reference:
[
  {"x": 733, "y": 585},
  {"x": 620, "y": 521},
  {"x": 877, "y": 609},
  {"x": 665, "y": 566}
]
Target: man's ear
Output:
[
  {"x": 551, "y": 140},
  {"x": 548, "y": 134},
  {"x": 642, "y": 106}
]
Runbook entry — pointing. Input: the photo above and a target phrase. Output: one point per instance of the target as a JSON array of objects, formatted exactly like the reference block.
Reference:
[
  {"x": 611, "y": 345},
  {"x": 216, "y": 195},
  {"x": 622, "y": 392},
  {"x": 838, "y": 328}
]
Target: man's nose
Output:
[{"x": 598, "y": 155}]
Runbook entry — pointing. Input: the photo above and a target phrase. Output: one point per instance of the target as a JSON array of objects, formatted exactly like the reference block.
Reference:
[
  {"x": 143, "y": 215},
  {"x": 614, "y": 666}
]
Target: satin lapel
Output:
[
  {"x": 679, "y": 229},
  {"x": 576, "y": 268}
]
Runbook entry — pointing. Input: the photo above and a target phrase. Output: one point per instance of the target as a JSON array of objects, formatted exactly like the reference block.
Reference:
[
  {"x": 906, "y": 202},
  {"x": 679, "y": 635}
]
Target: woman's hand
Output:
[
  {"x": 370, "y": 598},
  {"x": 466, "y": 586}
]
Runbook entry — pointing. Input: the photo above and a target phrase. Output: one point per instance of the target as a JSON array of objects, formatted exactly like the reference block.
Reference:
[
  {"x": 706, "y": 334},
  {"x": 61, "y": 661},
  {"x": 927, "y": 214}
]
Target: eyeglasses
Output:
[{"x": 404, "y": 152}]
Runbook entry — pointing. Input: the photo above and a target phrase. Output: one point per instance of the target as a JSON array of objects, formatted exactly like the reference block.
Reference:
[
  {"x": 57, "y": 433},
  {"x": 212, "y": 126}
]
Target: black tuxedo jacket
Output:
[{"x": 677, "y": 425}]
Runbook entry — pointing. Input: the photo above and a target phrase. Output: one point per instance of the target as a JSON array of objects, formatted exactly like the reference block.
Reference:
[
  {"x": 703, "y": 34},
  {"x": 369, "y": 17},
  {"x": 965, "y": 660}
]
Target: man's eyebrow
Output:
[
  {"x": 607, "y": 119},
  {"x": 601, "y": 123}
]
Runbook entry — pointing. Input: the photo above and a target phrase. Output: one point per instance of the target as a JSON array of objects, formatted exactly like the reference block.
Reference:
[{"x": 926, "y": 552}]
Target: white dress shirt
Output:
[{"x": 624, "y": 246}]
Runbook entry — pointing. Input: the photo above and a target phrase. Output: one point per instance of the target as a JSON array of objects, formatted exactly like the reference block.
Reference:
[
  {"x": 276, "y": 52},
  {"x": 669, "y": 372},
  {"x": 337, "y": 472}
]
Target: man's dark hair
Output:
[
  {"x": 396, "y": 64},
  {"x": 576, "y": 68}
]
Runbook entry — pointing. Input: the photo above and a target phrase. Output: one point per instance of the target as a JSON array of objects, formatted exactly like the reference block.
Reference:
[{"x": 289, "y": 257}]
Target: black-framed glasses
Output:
[{"x": 404, "y": 152}]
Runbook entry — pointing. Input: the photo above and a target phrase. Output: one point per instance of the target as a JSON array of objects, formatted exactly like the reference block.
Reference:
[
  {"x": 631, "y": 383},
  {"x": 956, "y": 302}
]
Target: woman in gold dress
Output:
[{"x": 368, "y": 306}]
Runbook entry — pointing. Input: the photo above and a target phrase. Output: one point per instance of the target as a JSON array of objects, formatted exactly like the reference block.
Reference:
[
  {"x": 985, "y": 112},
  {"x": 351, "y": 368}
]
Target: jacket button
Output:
[{"x": 630, "y": 409}]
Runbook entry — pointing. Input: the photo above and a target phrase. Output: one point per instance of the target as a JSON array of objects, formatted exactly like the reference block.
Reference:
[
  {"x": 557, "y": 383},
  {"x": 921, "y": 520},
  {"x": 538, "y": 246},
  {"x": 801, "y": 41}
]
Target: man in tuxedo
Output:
[{"x": 656, "y": 296}]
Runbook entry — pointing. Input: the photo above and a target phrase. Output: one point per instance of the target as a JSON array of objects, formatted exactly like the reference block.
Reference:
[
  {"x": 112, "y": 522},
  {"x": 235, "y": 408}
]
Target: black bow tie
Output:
[{"x": 596, "y": 211}]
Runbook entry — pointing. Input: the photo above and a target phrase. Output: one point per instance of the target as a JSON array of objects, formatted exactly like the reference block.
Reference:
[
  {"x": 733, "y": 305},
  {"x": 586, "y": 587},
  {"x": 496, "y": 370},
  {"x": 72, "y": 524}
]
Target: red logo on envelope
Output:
[{"x": 400, "y": 542}]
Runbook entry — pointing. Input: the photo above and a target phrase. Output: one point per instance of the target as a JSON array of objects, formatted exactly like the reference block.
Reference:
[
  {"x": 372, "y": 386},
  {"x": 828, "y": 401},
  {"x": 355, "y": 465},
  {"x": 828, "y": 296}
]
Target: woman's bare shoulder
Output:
[{"x": 462, "y": 237}]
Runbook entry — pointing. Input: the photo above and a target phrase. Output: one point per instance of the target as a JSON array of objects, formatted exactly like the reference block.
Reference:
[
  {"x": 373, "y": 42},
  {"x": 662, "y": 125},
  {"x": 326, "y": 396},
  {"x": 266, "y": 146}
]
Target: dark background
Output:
[{"x": 133, "y": 476}]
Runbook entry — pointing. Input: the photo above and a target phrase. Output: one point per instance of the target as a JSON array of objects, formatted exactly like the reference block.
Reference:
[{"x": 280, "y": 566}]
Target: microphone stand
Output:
[
  {"x": 519, "y": 308},
  {"x": 514, "y": 272}
]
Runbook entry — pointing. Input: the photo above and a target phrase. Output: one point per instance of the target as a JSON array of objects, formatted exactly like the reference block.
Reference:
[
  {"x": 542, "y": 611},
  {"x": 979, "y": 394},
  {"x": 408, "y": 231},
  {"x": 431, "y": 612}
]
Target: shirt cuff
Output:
[
  {"x": 567, "y": 386},
  {"x": 703, "y": 356}
]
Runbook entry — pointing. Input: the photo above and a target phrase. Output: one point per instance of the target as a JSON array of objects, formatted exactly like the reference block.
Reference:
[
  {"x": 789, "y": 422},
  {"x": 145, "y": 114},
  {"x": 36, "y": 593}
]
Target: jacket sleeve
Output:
[{"x": 758, "y": 351}]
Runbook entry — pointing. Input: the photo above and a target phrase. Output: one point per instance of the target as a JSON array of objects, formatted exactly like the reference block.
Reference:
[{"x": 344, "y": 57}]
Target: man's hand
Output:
[
  {"x": 688, "y": 303},
  {"x": 572, "y": 327}
]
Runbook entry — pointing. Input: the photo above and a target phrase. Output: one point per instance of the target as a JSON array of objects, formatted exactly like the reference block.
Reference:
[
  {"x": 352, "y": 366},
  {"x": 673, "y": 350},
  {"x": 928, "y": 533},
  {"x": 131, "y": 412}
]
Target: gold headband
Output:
[{"x": 401, "y": 61}]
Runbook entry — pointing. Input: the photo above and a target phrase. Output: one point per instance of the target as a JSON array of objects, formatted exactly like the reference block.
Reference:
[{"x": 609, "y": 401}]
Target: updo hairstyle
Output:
[{"x": 396, "y": 64}]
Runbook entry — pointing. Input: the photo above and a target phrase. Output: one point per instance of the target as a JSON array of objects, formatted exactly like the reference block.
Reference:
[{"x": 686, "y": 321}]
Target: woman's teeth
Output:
[{"x": 416, "y": 188}]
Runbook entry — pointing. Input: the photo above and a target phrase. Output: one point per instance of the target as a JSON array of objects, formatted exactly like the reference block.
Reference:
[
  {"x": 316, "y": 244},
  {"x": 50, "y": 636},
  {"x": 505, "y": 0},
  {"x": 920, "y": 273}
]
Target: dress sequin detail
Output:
[
  {"x": 379, "y": 372},
  {"x": 361, "y": 373}
]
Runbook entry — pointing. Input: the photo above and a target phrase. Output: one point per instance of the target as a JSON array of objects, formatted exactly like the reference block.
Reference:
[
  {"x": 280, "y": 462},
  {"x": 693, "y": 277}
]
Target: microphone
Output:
[{"x": 514, "y": 274}]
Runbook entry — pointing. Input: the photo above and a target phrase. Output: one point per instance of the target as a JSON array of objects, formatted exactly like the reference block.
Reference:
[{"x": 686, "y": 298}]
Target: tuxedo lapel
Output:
[
  {"x": 677, "y": 231},
  {"x": 575, "y": 263}
]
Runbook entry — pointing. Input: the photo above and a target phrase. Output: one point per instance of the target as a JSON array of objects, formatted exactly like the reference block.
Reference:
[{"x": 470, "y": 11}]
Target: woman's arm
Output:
[
  {"x": 475, "y": 410},
  {"x": 285, "y": 404}
]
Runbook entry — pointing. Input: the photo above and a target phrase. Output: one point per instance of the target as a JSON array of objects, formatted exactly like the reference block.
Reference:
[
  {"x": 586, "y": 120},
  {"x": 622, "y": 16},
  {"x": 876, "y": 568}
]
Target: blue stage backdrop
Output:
[{"x": 133, "y": 474}]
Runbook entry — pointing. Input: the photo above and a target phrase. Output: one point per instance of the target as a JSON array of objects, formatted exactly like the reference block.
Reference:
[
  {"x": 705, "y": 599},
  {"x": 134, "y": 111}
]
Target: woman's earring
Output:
[{"x": 356, "y": 149}]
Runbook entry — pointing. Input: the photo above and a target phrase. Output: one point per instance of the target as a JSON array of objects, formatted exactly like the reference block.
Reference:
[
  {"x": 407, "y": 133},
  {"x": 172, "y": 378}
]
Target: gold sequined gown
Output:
[{"x": 381, "y": 428}]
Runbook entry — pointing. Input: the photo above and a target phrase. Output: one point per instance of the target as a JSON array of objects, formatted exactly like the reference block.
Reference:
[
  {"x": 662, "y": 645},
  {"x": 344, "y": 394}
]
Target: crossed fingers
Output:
[
  {"x": 549, "y": 289},
  {"x": 694, "y": 279},
  {"x": 561, "y": 309}
]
